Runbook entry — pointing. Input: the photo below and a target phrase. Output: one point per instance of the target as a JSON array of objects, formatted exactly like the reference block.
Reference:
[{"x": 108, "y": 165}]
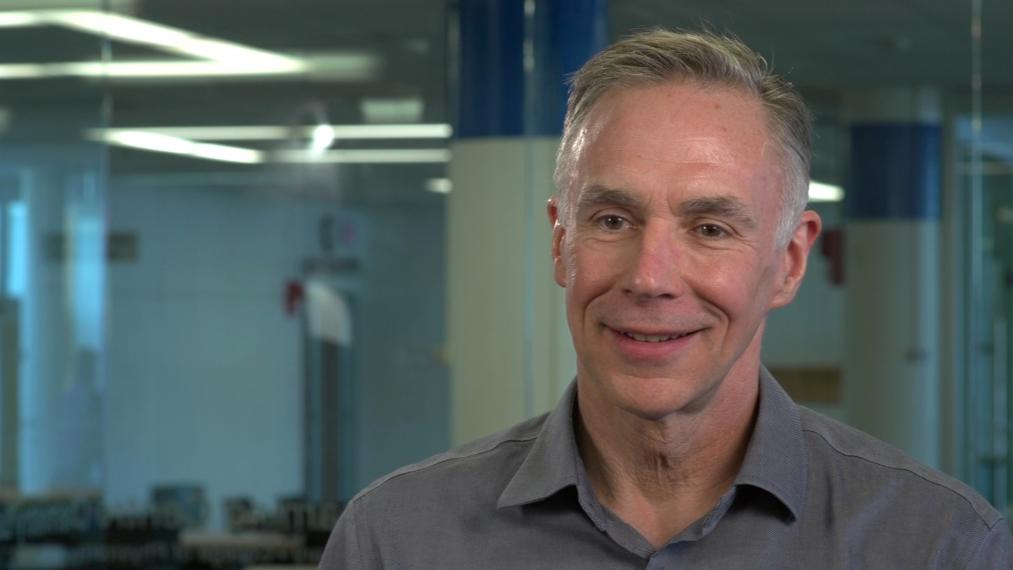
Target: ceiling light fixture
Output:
[
  {"x": 20, "y": 19},
  {"x": 322, "y": 138},
  {"x": 367, "y": 156},
  {"x": 279, "y": 132},
  {"x": 439, "y": 185},
  {"x": 215, "y": 57},
  {"x": 157, "y": 142},
  {"x": 133, "y": 30},
  {"x": 357, "y": 67},
  {"x": 173, "y": 144},
  {"x": 388, "y": 110},
  {"x": 821, "y": 192}
]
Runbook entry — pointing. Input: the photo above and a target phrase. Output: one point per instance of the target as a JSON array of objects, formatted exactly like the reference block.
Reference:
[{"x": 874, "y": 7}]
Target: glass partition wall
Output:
[
  {"x": 53, "y": 256},
  {"x": 984, "y": 166},
  {"x": 221, "y": 258},
  {"x": 278, "y": 331}
]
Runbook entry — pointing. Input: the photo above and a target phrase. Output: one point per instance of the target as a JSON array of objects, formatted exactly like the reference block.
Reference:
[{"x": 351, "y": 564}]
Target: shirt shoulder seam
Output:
[
  {"x": 948, "y": 489},
  {"x": 358, "y": 540}
]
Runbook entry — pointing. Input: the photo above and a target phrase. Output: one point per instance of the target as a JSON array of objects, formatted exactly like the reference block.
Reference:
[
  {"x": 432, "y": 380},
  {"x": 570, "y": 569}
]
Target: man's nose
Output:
[{"x": 656, "y": 271}]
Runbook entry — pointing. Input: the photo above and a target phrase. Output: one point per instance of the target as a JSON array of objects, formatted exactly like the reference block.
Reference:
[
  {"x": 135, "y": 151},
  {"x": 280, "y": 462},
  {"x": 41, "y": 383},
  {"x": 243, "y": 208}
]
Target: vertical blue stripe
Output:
[
  {"x": 491, "y": 93},
  {"x": 570, "y": 32},
  {"x": 895, "y": 172}
]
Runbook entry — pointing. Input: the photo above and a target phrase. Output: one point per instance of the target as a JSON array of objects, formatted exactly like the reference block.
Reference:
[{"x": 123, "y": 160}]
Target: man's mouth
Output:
[{"x": 653, "y": 337}]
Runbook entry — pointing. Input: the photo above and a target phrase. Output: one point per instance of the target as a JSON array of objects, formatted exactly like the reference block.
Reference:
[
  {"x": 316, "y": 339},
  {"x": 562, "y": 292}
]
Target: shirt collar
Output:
[
  {"x": 551, "y": 464},
  {"x": 774, "y": 461}
]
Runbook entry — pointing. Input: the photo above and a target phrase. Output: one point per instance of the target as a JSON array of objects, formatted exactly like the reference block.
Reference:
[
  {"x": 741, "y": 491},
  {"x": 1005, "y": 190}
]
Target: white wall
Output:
[{"x": 508, "y": 341}]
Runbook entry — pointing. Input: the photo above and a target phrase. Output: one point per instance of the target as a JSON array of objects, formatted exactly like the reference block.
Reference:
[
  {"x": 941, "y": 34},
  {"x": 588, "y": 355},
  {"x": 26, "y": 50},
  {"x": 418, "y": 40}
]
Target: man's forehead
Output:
[
  {"x": 702, "y": 141},
  {"x": 673, "y": 94},
  {"x": 701, "y": 123}
]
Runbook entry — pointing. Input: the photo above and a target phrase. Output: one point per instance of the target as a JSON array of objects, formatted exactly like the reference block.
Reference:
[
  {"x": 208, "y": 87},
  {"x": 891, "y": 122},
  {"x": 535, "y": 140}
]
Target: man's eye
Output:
[
  {"x": 612, "y": 223},
  {"x": 711, "y": 231}
]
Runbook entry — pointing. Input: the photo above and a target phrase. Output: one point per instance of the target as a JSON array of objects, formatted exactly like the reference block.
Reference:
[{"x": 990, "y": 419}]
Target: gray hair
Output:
[{"x": 658, "y": 56}]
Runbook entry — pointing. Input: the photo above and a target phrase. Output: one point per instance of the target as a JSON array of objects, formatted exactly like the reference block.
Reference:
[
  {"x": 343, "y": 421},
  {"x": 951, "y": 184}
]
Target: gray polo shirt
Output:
[{"x": 812, "y": 493}]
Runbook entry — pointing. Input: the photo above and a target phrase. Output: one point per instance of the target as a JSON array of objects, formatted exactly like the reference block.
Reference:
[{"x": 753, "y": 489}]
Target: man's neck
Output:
[{"x": 660, "y": 476}]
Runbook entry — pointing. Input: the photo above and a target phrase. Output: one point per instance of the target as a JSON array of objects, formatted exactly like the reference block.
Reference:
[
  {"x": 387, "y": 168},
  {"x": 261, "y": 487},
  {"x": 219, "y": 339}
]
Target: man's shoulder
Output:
[
  {"x": 847, "y": 455},
  {"x": 481, "y": 467}
]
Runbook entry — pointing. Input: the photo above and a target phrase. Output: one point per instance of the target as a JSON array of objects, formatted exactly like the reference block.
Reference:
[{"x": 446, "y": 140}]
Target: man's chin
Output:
[{"x": 656, "y": 398}]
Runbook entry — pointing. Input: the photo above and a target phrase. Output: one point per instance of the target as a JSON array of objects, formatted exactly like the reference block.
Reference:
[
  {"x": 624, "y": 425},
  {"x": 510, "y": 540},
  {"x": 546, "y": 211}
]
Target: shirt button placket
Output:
[{"x": 664, "y": 559}]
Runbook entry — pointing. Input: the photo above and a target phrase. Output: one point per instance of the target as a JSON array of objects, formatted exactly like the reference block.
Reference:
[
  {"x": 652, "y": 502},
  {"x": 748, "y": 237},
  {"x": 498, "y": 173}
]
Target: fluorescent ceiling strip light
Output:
[
  {"x": 133, "y": 30},
  {"x": 173, "y": 69},
  {"x": 21, "y": 19},
  {"x": 31, "y": 71},
  {"x": 223, "y": 133},
  {"x": 125, "y": 70},
  {"x": 123, "y": 28},
  {"x": 418, "y": 131},
  {"x": 820, "y": 192},
  {"x": 160, "y": 142},
  {"x": 119, "y": 6},
  {"x": 216, "y": 57},
  {"x": 279, "y": 132},
  {"x": 360, "y": 67},
  {"x": 156, "y": 142},
  {"x": 366, "y": 156}
]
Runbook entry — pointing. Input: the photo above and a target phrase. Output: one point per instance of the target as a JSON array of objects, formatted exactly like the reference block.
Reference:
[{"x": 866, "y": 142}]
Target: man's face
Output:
[{"x": 669, "y": 257}]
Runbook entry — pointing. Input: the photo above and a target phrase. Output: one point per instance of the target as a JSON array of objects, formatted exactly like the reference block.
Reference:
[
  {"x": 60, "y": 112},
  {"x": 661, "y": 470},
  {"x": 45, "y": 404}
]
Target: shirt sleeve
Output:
[
  {"x": 343, "y": 550},
  {"x": 996, "y": 549}
]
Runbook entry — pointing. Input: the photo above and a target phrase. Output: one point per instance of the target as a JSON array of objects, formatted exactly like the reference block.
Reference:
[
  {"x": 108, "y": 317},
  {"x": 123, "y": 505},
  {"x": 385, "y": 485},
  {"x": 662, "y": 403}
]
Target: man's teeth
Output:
[{"x": 650, "y": 337}]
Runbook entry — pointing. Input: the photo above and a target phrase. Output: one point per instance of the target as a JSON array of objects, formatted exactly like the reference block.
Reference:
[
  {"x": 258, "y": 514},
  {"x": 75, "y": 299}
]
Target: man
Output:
[{"x": 678, "y": 224}]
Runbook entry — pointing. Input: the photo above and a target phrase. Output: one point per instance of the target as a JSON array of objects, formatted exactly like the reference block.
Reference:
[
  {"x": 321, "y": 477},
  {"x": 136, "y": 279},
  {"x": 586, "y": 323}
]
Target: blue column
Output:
[
  {"x": 892, "y": 209},
  {"x": 507, "y": 344},
  {"x": 490, "y": 98},
  {"x": 494, "y": 86}
]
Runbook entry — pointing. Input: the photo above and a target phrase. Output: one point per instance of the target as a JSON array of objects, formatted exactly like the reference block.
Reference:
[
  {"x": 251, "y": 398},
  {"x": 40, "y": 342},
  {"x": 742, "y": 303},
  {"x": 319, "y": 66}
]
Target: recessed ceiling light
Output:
[
  {"x": 439, "y": 185},
  {"x": 322, "y": 138}
]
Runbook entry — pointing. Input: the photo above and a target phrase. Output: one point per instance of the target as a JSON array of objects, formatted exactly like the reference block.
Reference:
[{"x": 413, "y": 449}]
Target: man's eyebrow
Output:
[
  {"x": 595, "y": 196},
  {"x": 718, "y": 206}
]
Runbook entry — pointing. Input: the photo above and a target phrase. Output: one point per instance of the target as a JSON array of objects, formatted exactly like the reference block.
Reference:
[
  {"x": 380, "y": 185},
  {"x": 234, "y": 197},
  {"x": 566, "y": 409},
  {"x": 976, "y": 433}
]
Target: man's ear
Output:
[
  {"x": 558, "y": 235},
  {"x": 796, "y": 255}
]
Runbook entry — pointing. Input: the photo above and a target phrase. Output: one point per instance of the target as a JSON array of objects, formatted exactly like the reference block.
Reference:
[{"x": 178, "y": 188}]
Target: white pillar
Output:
[
  {"x": 509, "y": 346},
  {"x": 892, "y": 204},
  {"x": 510, "y": 351}
]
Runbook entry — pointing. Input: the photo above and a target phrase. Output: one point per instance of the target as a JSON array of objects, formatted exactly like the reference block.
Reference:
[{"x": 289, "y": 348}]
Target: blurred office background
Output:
[{"x": 256, "y": 254}]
